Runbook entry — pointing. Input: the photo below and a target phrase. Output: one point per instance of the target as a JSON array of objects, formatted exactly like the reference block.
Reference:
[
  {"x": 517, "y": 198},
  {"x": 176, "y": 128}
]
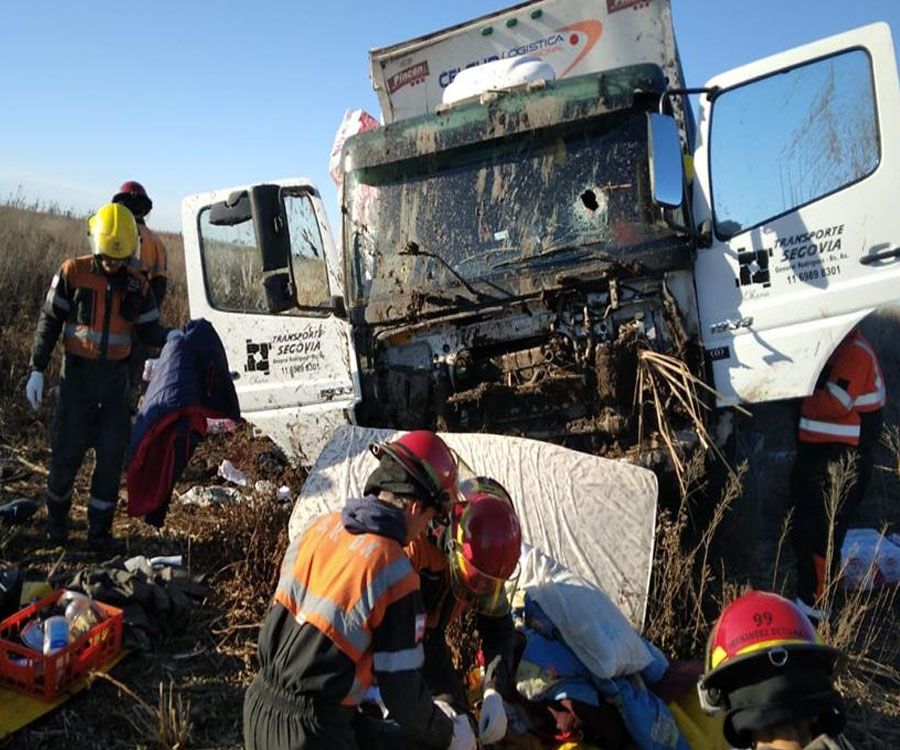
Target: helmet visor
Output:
[{"x": 488, "y": 594}]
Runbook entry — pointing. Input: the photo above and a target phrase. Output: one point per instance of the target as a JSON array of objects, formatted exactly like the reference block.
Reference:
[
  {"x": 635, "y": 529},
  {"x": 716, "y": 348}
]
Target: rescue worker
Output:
[
  {"x": 151, "y": 252},
  {"x": 465, "y": 566},
  {"x": 94, "y": 301},
  {"x": 348, "y": 611},
  {"x": 152, "y": 255},
  {"x": 771, "y": 676},
  {"x": 841, "y": 420}
]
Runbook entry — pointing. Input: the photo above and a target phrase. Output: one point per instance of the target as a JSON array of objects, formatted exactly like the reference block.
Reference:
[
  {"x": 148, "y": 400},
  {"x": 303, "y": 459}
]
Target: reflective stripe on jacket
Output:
[
  {"x": 342, "y": 584},
  {"x": 851, "y": 383}
]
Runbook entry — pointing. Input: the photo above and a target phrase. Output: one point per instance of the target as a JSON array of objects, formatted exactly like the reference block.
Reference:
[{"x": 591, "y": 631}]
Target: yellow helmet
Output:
[{"x": 113, "y": 232}]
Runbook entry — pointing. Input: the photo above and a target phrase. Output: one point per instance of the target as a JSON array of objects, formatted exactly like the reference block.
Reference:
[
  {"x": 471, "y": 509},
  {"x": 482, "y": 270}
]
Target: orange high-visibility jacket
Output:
[
  {"x": 152, "y": 253},
  {"x": 342, "y": 584},
  {"x": 96, "y": 312},
  {"x": 851, "y": 383}
]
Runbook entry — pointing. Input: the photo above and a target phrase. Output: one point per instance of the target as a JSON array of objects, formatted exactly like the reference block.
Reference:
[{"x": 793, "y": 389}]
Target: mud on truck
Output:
[{"x": 515, "y": 252}]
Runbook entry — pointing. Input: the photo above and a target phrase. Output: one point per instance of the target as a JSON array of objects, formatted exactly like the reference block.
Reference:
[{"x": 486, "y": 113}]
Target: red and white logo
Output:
[{"x": 408, "y": 76}]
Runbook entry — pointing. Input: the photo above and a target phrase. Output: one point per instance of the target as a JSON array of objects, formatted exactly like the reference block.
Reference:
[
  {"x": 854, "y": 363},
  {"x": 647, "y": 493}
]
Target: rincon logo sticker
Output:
[{"x": 408, "y": 76}]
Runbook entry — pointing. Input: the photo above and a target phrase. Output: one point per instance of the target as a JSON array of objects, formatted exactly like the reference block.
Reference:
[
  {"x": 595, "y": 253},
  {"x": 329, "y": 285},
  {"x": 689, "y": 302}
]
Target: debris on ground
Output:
[{"x": 212, "y": 495}]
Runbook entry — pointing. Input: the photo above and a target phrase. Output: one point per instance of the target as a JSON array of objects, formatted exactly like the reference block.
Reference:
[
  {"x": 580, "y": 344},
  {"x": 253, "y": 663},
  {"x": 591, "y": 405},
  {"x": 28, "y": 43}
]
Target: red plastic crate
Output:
[{"x": 45, "y": 677}]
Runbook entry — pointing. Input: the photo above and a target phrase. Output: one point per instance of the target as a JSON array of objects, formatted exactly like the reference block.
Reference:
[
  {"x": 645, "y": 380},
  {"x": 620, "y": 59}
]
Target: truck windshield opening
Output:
[{"x": 497, "y": 210}]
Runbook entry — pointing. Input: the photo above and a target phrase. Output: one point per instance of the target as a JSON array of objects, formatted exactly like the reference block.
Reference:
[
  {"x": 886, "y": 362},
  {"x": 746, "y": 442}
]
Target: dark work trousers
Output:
[
  {"x": 91, "y": 412},
  {"x": 274, "y": 720},
  {"x": 810, "y": 495},
  {"x": 439, "y": 673}
]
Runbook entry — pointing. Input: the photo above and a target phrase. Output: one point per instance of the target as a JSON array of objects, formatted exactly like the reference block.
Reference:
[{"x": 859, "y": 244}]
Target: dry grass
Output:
[{"x": 682, "y": 601}]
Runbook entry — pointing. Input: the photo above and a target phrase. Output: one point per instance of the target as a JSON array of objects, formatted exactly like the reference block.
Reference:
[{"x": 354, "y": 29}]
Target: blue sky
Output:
[{"x": 190, "y": 96}]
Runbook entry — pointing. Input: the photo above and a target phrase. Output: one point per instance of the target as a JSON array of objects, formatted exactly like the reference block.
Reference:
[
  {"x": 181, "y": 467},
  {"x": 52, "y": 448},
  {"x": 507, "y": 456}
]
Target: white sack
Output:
[{"x": 590, "y": 624}]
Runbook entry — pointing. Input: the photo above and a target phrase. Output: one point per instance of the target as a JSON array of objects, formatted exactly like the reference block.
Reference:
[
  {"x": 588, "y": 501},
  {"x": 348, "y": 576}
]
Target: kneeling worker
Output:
[{"x": 348, "y": 611}]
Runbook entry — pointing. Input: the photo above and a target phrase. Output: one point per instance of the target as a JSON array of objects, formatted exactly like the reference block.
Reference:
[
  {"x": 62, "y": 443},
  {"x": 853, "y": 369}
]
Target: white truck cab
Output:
[{"x": 761, "y": 260}]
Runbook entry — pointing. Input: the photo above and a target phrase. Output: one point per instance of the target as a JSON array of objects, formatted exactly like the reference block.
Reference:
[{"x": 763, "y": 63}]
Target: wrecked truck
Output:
[{"x": 512, "y": 260}]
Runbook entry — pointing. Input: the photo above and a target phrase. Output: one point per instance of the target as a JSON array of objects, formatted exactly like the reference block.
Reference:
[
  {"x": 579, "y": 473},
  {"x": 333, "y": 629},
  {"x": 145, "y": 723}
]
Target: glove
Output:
[
  {"x": 492, "y": 724},
  {"x": 463, "y": 736},
  {"x": 175, "y": 333},
  {"x": 34, "y": 389}
]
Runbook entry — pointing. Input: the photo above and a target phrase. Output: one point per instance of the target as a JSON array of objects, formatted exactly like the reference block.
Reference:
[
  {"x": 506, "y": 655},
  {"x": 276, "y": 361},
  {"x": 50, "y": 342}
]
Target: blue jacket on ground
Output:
[{"x": 191, "y": 383}]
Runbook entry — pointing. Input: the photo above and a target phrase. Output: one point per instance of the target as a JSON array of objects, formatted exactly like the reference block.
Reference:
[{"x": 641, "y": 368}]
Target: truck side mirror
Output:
[
  {"x": 270, "y": 225},
  {"x": 232, "y": 211},
  {"x": 280, "y": 292},
  {"x": 666, "y": 164}
]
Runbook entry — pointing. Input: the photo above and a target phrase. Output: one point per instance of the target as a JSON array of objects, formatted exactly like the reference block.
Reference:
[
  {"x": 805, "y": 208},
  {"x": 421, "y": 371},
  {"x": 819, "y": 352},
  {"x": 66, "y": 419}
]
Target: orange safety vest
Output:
[
  {"x": 851, "y": 383},
  {"x": 342, "y": 584},
  {"x": 425, "y": 556},
  {"x": 152, "y": 253},
  {"x": 95, "y": 325}
]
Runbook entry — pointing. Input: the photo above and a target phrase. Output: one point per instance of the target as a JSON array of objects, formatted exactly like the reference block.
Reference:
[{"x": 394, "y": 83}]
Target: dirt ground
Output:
[{"x": 233, "y": 550}]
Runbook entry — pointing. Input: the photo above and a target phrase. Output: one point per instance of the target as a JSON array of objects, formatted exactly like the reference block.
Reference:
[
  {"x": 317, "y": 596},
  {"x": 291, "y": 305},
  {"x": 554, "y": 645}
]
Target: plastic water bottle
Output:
[
  {"x": 56, "y": 634},
  {"x": 81, "y": 616}
]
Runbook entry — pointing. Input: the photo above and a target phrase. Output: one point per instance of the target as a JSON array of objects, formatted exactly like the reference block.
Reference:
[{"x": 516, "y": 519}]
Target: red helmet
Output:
[
  {"x": 485, "y": 545},
  {"x": 428, "y": 460},
  {"x": 757, "y": 647},
  {"x": 133, "y": 196}
]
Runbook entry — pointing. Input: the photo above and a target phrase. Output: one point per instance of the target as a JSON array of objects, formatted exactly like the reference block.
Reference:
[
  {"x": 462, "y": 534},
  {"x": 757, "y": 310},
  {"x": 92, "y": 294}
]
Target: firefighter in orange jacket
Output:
[
  {"x": 153, "y": 259},
  {"x": 347, "y": 612},
  {"x": 465, "y": 565},
  {"x": 841, "y": 419},
  {"x": 151, "y": 251},
  {"x": 94, "y": 301}
]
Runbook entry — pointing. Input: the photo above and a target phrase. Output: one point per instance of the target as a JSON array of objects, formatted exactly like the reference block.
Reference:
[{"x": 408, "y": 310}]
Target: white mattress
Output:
[{"x": 594, "y": 515}]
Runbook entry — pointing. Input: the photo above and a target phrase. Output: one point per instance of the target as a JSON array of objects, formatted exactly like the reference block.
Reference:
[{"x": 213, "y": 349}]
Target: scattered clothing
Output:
[
  {"x": 151, "y": 604},
  {"x": 191, "y": 383}
]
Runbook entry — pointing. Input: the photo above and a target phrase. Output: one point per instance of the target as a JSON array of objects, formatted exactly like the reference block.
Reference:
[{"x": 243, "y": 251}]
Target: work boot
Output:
[
  {"x": 58, "y": 517},
  {"x": 105, "y": 545},
  {"x": 100, "y": 519}
]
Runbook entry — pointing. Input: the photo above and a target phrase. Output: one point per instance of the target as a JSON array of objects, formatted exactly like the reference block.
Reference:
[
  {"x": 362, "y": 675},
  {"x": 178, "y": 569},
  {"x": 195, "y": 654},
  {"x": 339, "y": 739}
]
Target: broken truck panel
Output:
[{"x": 523, "y": 313}]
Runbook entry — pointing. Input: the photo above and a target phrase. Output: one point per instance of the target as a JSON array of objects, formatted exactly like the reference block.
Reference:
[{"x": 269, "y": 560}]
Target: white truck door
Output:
[
  {"x": 797, "y": 175},
  {"x": 279, "y": 319}
]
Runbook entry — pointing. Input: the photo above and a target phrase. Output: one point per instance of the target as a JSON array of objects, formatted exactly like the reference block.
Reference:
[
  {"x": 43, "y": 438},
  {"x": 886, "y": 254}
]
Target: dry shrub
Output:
[
  {"x": 167, "y": 725},
  {"x": 254, "y": 535},
  {"x": 680, "y": 591}
]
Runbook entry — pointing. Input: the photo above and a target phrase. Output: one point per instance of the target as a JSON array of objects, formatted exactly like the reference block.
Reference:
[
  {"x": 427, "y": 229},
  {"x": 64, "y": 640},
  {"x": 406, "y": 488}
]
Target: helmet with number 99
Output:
[{"x": 765, "y": 665}]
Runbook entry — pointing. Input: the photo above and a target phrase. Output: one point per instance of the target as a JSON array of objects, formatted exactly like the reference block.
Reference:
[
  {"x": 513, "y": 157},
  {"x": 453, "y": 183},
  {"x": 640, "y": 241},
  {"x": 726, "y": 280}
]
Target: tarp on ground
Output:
[{"x": 596, "y": 516}]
